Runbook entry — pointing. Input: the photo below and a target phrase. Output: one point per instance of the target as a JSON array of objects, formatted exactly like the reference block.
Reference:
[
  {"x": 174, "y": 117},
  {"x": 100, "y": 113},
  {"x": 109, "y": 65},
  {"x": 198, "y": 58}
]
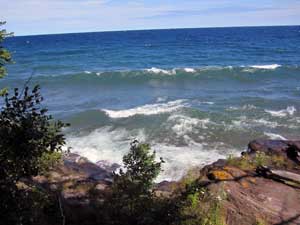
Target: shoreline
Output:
[{"x": 262, "y": 184}]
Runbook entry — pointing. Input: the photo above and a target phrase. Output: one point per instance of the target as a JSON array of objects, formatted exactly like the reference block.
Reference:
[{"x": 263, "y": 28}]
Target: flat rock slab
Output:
[
  {"x": 259, "y": 198},
  {"x": 286, "y": 175}
]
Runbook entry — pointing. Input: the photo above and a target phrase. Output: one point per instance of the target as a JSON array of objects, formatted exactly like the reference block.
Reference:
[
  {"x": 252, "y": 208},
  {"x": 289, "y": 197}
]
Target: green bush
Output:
[
  {"x": 5, "y": 56},
  {"x": 27, "y": 133},
  {"x": 132, "y": 200},
  {"x": 48, "y": 161}
]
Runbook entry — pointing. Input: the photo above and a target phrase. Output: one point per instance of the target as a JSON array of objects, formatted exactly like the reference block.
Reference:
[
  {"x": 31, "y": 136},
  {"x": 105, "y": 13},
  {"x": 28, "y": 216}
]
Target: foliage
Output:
[
  {"x": 198, "y": 206},
  {"x": 133, "y": 199},
  {"x": 26, "y": 134},
  {"x": 261, "y": 159},
  {"x": 214, "y": 215},
  {"x": 5, "y": 56},
  {"x": 48, "y": 161},
  {"x": 243, "y": 162}
]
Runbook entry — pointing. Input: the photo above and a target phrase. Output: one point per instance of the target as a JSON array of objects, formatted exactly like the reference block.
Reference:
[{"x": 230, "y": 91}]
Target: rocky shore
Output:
[{"x": 260, "y": 187}]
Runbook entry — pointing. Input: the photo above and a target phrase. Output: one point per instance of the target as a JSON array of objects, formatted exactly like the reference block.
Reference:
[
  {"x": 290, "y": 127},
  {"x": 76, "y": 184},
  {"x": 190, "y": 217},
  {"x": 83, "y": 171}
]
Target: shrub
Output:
[
  {"x": 26, "y": 134},
  {"x": 132, "y": 200},
  {"x": 48, "y": 161},
  {"x": 5, "y": 56}
]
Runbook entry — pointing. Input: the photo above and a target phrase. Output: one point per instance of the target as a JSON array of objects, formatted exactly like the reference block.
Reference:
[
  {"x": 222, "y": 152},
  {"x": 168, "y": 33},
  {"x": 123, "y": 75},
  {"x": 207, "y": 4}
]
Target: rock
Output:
[
  {"x": 280, "y": 175},
  {"x": 235, "y": 172},
  {"x": 268, "y": 146},
  {"x": 287, "y": 175},
  {"x": 86, "y": 168},
  {"x": 290, "y": 149},
  {"x": 266, "y": 198}
]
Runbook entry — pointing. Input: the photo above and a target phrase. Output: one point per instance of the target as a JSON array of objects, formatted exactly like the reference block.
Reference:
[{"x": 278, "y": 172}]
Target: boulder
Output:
[{"x": 290, "y": 149}]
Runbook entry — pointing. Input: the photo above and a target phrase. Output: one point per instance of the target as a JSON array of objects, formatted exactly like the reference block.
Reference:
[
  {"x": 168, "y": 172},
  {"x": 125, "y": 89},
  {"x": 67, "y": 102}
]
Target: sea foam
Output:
[{"x": 111, "y": 145}]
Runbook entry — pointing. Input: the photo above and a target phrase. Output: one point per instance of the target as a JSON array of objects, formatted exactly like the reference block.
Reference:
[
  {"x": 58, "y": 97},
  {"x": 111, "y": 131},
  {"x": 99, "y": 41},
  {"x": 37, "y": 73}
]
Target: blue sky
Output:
[{"x": 26, "y": 17}]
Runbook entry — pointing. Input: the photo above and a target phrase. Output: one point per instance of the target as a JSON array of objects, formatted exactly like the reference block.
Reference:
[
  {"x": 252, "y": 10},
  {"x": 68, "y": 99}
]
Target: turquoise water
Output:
[{"x": 194, "y": 94}]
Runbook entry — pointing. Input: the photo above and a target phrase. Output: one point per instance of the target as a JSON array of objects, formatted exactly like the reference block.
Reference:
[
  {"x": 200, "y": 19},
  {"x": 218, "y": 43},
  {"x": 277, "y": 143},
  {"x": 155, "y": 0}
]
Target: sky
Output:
[{"x": 30, "y": 17}]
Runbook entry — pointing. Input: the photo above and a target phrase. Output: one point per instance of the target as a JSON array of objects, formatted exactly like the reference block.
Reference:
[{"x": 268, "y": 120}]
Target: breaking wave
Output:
[
  {"x": 149, "y": 109},
  {"x": 111, "y": 144}
]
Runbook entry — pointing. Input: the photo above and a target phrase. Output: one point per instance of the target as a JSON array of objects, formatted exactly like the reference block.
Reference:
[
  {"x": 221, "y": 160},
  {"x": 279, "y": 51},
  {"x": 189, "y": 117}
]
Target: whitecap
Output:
[
  {"x": 289, "y": 111},
  {"x": 87, "y": 72},
  {"x": 266, "y": 67},
  {"x": 149, "y": 109},
  {"x": 161, "y": 71},
  {"x": 189, "y": 70}
]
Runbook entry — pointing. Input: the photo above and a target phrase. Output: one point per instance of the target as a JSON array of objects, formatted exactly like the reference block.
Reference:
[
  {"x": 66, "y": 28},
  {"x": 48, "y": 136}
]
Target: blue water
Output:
[{"x": 194, "y": 94}]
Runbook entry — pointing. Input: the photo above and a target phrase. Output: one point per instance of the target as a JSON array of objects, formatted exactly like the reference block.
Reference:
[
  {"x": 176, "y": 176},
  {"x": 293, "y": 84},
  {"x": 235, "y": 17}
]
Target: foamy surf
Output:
[
  {"x": 149, "y": 109},
  {"x": 184, "y": 124},
  {"x": 110, "y": 145}
]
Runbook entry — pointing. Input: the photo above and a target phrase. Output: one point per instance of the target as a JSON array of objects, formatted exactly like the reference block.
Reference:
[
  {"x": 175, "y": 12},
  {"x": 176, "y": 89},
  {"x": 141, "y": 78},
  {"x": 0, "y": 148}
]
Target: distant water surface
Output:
[{"x": 195, "y": 94}]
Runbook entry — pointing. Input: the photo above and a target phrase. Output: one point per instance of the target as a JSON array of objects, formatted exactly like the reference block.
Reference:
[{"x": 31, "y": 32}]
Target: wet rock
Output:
[{"x": 110, "y": 167}]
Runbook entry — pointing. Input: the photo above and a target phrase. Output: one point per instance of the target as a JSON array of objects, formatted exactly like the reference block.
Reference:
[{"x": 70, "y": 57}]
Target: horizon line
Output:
[{"x": 154, "y": 29}]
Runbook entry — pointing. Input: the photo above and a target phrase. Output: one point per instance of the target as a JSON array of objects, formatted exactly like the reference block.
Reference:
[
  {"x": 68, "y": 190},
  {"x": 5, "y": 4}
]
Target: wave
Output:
[
  {"x": 149, "y": 109},
  {"x": 150, "y": 76},
  {"x": 289, "y": 111}
]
